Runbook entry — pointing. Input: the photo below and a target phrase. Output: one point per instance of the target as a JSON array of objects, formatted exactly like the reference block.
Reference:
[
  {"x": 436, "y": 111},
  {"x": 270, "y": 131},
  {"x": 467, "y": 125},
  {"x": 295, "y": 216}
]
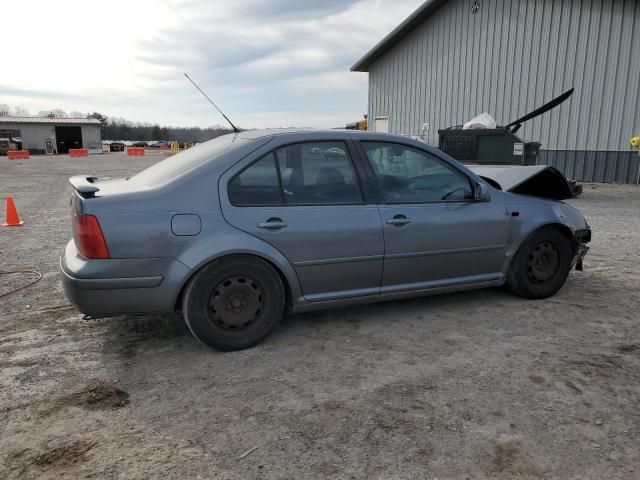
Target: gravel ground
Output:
[{"x": 478, "y": 385}]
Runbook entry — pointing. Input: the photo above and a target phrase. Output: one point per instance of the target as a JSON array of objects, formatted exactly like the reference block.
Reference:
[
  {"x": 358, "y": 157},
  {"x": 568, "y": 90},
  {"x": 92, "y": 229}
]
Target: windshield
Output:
[{"x": 178, "y": 164}]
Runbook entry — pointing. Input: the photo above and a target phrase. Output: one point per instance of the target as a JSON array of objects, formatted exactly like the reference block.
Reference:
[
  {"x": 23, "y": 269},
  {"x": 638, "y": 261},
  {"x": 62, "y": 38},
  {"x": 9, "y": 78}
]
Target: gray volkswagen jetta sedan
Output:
[{"x": 241, "y": 229}]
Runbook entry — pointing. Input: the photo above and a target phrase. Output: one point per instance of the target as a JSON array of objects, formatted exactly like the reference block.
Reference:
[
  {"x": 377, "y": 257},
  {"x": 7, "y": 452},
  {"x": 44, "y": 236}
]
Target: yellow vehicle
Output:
[
  {"x": 6, "y": 145},
  {"x": 359, "y": 125}
]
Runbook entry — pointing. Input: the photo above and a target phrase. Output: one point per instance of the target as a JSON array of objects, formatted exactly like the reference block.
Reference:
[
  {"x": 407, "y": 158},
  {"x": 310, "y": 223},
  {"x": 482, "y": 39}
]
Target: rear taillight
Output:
[{"x": 88, "y": 237}]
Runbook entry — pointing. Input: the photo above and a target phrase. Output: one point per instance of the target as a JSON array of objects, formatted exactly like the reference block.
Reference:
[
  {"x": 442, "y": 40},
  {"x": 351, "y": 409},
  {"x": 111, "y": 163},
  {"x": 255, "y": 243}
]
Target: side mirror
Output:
[{"x": 482, "y": 193}]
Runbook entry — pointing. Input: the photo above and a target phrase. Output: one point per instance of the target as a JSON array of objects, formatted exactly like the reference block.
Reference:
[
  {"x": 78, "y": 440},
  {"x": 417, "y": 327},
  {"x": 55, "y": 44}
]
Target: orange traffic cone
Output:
[{"x": 13, "y": 219}]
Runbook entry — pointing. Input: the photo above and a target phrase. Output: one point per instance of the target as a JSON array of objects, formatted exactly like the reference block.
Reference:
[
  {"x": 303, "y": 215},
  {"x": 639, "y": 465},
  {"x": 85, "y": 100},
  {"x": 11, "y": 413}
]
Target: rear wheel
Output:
[
  {"x": 541, "y": 265},
  {"x": 233, "y": 303}
]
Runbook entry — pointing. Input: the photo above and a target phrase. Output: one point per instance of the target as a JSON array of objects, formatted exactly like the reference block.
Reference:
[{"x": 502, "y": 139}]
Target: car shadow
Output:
[
  {"x": 128, "y": 335},
  {"x": 380, "y": 314}
]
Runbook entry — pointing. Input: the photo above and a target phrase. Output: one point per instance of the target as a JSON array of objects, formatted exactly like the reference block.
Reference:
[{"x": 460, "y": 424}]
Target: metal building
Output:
[
  {"x": 52, "y": 135},
  {"x": 453, "y": 59}
]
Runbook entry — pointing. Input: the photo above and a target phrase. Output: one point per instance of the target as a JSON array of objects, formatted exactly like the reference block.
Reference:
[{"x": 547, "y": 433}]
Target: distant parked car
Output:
[
  {"x": 334, "y": 152},
  {"x": 140, "y": 144},
  {"x": 242, "y": 228},
  {"x": 116, "y": 147}
]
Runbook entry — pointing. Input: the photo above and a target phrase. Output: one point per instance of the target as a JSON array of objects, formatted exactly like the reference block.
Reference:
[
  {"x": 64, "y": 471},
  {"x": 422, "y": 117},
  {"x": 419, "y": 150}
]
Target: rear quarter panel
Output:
[
  {"x": 136, "y": 222},
  {"x": 136, "y": 219},
  {"x": 219, "y": 239}
]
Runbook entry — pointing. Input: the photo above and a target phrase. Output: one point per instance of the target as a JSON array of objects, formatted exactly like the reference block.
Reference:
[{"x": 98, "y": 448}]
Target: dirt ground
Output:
[{"x": 478, "y": 385}]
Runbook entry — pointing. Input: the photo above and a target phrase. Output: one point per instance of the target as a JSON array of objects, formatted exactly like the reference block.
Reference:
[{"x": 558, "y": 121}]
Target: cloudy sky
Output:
[{"x": 266, "y": 63}]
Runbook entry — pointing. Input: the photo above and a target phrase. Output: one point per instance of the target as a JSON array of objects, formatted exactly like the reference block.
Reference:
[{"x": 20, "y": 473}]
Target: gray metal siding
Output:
[
  {"x": 91, "y": 138},
  {"x": 514, "y": 56},
  {"x": 34, "y": 135},
  {"x": 594, "y": 166}
]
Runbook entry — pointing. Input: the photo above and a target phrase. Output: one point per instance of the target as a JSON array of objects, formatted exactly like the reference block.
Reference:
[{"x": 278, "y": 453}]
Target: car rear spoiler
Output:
[
  {"x": 84, "y": 185},
  {"x": 537, "y": 180}
]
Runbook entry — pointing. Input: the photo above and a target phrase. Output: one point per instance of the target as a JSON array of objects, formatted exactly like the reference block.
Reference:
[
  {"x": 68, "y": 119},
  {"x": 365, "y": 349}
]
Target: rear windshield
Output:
[{"x": 178, "y": 164}]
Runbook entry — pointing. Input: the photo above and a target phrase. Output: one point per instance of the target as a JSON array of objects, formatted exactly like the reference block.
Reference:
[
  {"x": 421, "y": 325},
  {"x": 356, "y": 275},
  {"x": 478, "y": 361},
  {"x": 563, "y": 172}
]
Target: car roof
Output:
[
  {"x": 311, "y": 132},
  {"x": 266, "y": 132},
  {"x": 295, "y": 135}
]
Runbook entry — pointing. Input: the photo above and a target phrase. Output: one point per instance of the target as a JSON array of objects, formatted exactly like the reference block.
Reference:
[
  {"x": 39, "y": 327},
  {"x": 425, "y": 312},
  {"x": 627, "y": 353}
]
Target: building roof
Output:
[
  {"x": 50, "y": 121},
  {"x": 423, "y": 12}
]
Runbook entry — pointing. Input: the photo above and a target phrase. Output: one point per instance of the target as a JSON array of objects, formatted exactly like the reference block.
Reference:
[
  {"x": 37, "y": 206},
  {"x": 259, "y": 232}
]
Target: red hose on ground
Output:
[{"x": 9, "y": 272}]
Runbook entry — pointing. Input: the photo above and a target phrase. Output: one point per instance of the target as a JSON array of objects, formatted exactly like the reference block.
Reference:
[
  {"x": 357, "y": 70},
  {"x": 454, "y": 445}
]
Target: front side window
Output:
[
  {"x": 408, "y": 175},
  {"x": 314, "y": 173}
]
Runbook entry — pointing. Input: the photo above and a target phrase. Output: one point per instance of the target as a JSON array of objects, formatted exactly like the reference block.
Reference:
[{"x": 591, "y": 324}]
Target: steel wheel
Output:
[
  {"x": 543, "y": 262},
  {"x": 236, "y": 303},
  {"x": 233, "y": 302}
]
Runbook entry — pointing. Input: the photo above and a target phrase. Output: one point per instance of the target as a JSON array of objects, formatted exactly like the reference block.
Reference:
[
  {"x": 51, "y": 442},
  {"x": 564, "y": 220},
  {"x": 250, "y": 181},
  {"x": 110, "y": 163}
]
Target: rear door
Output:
[
  {"x": 435, "y": 233},
  {"x": 306, "y": 199}
]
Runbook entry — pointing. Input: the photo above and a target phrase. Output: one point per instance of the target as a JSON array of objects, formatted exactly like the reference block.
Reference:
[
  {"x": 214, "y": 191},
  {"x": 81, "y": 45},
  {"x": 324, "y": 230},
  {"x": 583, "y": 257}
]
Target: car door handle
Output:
[
  {"x": 398, "y": 220},
  {"x": 273, "y": 224}
]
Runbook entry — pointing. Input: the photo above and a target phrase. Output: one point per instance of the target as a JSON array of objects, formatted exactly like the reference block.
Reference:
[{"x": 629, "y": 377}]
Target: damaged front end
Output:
[
  {"x": 580, "y": 248},
  {"x": 546, "y": 182},
  {"x": 537, "y": 180}
]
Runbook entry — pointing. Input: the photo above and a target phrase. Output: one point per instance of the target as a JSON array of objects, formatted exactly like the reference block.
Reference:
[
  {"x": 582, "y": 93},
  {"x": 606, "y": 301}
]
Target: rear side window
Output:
[
  {"x": 257, "y": 185},
  {"x": 313, "y": 173}
]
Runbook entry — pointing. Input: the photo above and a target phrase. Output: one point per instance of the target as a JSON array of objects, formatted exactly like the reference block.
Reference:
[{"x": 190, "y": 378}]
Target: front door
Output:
[
  {"x": 306, "y": 200},
  {"x": 435, "y": 233}
]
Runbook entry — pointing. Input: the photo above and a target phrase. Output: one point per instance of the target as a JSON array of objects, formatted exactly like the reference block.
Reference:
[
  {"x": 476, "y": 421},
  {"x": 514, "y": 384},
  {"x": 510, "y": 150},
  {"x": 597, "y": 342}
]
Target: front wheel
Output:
[
  {"x": 541, "y": 265},
  {"x": 233, "y": 303}
]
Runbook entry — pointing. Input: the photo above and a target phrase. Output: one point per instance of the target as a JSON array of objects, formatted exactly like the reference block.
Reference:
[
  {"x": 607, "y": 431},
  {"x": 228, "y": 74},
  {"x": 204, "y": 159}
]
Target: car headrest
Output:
[{"x": 330, "y": 176}]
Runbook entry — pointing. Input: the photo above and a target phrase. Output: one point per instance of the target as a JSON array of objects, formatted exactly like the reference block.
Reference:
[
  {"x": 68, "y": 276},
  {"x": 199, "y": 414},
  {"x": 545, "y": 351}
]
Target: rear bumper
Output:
[{"x": 113, "y": 286}]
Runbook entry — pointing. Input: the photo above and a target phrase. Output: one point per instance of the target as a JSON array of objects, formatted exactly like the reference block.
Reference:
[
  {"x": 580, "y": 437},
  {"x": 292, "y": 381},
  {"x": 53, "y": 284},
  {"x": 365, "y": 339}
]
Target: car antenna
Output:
[{"x": 235, "y": 129}]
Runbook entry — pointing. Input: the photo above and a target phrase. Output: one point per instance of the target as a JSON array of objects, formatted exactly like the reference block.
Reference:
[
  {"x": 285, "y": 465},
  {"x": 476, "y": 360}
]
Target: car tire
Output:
[
  {"x": 233, "y": 303},
  {"x": 541, "y": 265}
]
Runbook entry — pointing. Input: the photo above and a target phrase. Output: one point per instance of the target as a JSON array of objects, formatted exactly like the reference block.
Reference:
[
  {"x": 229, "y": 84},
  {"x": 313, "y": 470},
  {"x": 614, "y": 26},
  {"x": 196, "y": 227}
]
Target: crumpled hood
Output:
[{"x": 537, "y": 180}]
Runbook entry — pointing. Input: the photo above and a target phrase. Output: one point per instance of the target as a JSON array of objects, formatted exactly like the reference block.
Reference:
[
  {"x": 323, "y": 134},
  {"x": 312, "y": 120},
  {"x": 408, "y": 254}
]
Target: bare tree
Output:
[
  {"x": 59, "y": 113},
  {"x": 20, "y": 111},
  {"x": 55, "y": 113},
  {"x": 4, "y": 110},
  {"x": 76, "y": 114}
]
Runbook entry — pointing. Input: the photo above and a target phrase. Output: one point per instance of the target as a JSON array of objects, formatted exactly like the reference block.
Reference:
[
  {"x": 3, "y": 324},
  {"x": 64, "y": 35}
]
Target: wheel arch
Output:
[
  {"x": 289, "y": 289},
  {"x": 560, "y": 227}
]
